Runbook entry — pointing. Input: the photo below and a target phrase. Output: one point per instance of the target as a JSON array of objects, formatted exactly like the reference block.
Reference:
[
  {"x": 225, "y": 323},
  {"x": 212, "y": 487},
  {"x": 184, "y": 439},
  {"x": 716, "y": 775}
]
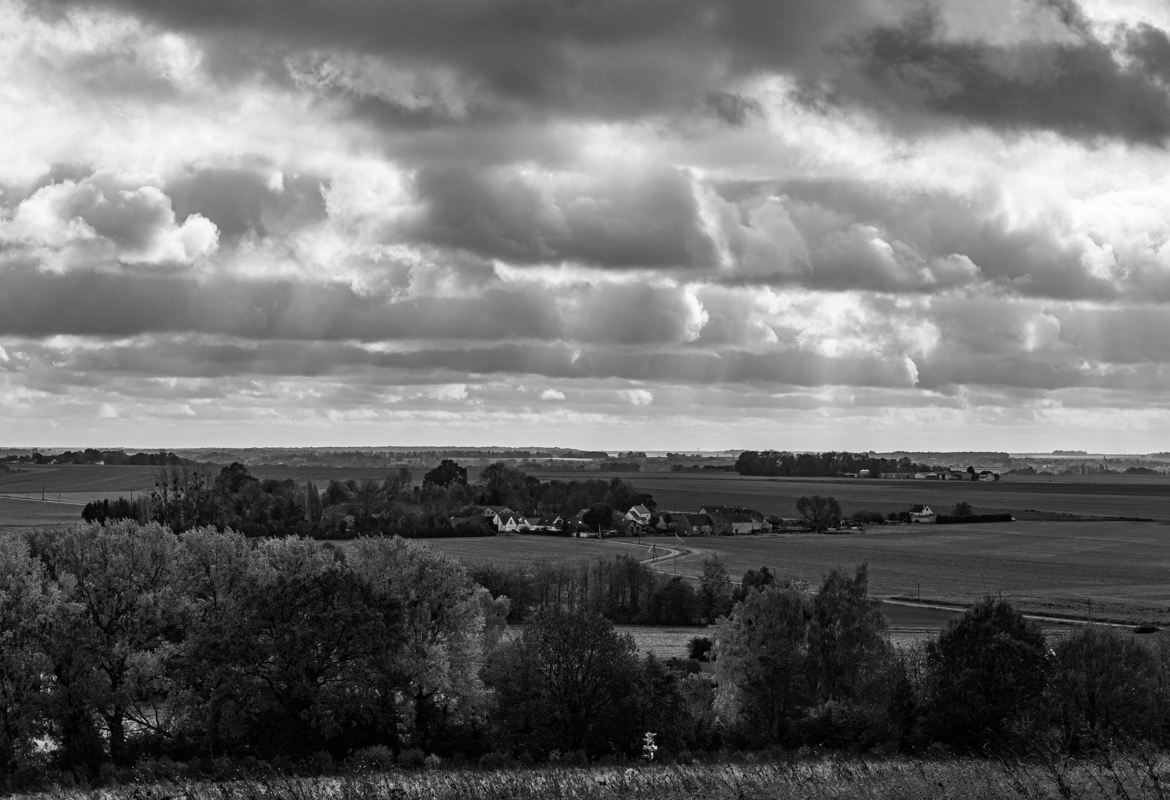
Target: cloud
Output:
[
  {"x": 100, "y": 220},
  {"x": 637, "y": 397},
  {"x": 1077, "y": 85},
  {"x": 552, "y": 394},
  {"x": 647, "y": 218}
]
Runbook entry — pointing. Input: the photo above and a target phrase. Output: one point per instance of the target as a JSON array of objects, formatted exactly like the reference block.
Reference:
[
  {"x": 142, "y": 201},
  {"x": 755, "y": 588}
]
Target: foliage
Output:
[
  {"x": 761, "y": 654},
  {"x": 445, "y": 474},
  {"x": 1105, "y": 686},
  {"x": 988, "y": 673},
  {"x": 714, "y": 590},
  {"x": 566, "y": 684},
  {"x": 819, "y": 512},
  {"x": 809, "y": 465}
]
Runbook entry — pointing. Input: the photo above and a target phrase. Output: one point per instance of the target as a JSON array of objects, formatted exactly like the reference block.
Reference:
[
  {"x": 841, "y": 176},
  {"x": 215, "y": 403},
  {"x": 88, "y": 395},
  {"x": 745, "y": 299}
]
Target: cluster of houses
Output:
[
  {"x": 710, "y": 520},
  {"x": 986, "y": 475}
]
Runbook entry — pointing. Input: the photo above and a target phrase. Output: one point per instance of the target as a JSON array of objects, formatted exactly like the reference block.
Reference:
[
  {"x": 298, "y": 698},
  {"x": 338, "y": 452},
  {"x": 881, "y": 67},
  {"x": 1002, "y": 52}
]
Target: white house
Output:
[
  {"x": 640, "y": 515},
  {"x": 922, "y": 514}
]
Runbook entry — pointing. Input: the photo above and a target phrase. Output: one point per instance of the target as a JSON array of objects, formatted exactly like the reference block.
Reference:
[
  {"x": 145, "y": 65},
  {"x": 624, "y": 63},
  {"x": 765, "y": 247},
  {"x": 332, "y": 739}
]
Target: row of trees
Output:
[
  {"x": 109, "y": 457},
  {"x": 816, "y": 465},
  {"x": 124, "y": 640},
  {"x": 621, "y": 590},
  {"x": 184, "y": 498}
]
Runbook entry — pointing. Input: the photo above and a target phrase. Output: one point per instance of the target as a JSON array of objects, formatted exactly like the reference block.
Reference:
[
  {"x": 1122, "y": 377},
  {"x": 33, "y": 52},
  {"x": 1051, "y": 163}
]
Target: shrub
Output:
[
  {"x": 411, "y": 758},
  {"x": 699, "y": 648}
]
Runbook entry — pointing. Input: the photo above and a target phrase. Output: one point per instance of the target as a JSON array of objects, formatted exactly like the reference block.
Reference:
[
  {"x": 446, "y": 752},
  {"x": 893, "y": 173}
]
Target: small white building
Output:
[{"x": 923, "y": 514}]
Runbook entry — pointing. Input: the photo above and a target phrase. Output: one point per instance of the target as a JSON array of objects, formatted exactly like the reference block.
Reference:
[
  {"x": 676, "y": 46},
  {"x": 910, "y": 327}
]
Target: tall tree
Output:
[
  {"x": 761, "y": 659},
  {"x": 29, "y": 603},
  {"x": 568, "y": 684},
  {"x": 123, "y": 617},
  {"x": 847, "y": 638},
  {"x": 714, "y": 590}
]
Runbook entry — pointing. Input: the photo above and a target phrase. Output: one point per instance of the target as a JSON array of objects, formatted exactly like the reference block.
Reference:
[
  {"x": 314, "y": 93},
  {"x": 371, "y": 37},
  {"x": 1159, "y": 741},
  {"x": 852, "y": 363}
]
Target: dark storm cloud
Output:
[
  {"x": 606, "y": 58},
  {"x": 620, "y": 60},
  {"x": 649, "y": 219},
  {"x": 93, "y": 303},
  {"x": 242, "y": 201},
  {"x": 841, "y": 234},
  {"x": 1079, "y": 88}
]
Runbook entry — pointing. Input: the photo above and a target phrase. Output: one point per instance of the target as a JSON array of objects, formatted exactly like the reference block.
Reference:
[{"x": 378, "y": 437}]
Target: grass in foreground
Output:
[{"x": 956, "y": 779}]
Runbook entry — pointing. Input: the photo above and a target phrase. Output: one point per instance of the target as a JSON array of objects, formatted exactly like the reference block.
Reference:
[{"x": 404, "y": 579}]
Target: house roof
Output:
[
  {"x": 640, "y": 510},
  {"x": 697, "y": 519},
  {"x": 921, "y": 510}
]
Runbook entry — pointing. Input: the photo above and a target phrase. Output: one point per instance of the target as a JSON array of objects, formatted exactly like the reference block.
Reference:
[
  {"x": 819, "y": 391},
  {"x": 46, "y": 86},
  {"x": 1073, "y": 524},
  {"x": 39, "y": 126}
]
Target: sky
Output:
[{"x": 653, "y": 225}]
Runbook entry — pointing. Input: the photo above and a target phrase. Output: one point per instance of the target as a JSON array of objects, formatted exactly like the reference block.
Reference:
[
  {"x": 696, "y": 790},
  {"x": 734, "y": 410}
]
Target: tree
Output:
[
  {"x": 673, "y": 603},
  {"x": 598, "y": 517},
  {"x": 986, "y": 678},
  {"x": 445, "y": 474},
  {"x": 29, "y": 603},
  {"x": 1104, "y": 688},
  {"x": 450, "y": 624},
  {"x": 962, "y": 509},
  {"x": 111, "y": 645},
  {"x": 567, "y": 684},
  {"x": 714, "y": 590},
  {"x": 761, "y": 659},
  {"x": 753, "y": 580},
  {"x": 820, "y": 512},
  {"x": 847, "y": 639}
]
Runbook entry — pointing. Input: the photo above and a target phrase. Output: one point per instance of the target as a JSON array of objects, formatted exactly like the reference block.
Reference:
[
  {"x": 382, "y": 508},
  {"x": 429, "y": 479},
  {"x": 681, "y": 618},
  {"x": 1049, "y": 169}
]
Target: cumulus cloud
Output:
[{"x": 99, "y": 221}]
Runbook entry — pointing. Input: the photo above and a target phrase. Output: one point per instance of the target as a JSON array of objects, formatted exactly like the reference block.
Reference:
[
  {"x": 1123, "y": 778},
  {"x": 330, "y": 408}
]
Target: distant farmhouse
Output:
[{"x": 923, "y": 514}]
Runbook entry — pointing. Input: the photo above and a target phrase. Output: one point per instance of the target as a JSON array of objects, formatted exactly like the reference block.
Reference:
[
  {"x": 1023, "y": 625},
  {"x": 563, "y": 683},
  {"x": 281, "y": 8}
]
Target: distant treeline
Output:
[
  {"x": 128, "y": 645},
  {"x": 815, "y": 465},
  {"x": 111, "y": 457},
  {"x": 623, "y": 590},
  {"x": 441, "y": 506}
]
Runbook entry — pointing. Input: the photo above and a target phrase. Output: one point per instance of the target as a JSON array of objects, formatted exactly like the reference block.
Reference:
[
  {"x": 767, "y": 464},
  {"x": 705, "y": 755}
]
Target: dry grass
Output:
[{"x": 830, "y": 779}]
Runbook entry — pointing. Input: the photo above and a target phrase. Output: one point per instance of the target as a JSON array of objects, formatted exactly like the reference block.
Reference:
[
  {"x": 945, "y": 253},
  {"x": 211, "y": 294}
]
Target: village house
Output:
[
  {"x": 694, "y": 525},
  {"x": 923, "y": 514},
  {"x": 638, "y": 518}
]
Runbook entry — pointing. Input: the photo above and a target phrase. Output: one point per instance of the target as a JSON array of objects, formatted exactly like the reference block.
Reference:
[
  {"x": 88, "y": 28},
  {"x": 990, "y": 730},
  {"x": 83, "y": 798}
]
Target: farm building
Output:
[
  {"x": 694, "y": 524},
  {"x": 923, "y": 514}
]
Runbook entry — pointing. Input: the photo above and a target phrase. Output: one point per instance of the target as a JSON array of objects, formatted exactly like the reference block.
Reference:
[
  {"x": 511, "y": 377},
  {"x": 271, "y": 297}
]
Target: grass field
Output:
[
  {"x": 76, "y": 481},
  {"x": 1097, "y": 496},
  {"x": 1043, "y": 567},
  {"x": 18, "y": 514},
  {"x": 1091, "y": 496}
]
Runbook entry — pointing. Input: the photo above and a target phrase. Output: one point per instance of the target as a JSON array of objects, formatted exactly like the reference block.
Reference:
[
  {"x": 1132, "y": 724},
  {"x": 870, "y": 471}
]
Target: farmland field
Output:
[
  {"x": 72, "y": 481},
  {"x": 1091, "y": 496},
  {"x": 1123, "y": 568},
  {"x": 16, "y": 513}
]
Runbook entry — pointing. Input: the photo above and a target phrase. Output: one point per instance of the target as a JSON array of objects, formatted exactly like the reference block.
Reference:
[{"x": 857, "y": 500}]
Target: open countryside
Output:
[
  {"x": 1110, "y": 570},
  {"x": 1092, "y": 565}
]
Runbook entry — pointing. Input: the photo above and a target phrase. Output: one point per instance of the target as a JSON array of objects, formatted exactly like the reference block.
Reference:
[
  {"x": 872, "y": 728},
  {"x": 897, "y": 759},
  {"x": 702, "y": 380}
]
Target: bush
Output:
[
  {"x": 699, "y": 648},
  {"x": 411, "y": 758},
  {"x": 373, "y": 759}
]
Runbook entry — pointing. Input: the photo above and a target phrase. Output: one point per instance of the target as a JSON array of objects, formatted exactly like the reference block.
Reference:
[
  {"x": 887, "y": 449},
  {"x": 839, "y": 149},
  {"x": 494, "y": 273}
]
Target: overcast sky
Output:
[{"x": 622, "y": 224}]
